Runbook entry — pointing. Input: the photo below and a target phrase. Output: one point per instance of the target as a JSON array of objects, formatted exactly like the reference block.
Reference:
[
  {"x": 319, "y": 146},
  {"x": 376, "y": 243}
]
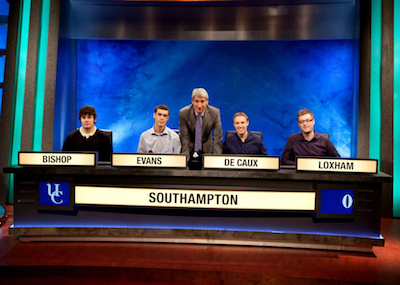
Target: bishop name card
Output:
[
  {"x": 57, "y": 158},
  {"x": 343, "y": 165},
  {"x": 253, "y": 162},
  {"x": 149, "y": 160}
]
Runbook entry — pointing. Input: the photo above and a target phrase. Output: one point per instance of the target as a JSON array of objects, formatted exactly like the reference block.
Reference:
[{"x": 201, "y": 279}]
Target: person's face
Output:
[
  {"x": 88, "y": 121},
  {"x": 306, "y": 123},
  {"x": 199, "y": 104},
  {"x": 161, "y": 117},
  {"x": 240, "y": 123}
]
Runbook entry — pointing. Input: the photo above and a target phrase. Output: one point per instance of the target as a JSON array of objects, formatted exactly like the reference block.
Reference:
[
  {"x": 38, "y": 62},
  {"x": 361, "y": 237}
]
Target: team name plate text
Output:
[
  {"x": 337, "y": 165},
  {"x": 241, "y": 162},
  {"x": 56, "y": 159},
  {"x": 149, "y": 160}
]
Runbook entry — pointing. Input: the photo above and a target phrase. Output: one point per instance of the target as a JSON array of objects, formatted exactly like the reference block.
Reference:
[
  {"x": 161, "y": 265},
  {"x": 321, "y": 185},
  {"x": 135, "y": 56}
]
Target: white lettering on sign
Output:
[
  {"x": 347, "y": 201},
  {"x": 56, "y": 193}
]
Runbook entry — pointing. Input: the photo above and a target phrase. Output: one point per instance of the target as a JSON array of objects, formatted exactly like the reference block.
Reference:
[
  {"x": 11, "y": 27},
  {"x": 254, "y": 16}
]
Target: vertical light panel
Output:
[
  {"x": 41, "y": 76},
  {"x": 396, "y": 112},
  {"x": 375, "y": 96},
  {"x": 19, "y": 90},
  {"x": 356, "y": 74}
]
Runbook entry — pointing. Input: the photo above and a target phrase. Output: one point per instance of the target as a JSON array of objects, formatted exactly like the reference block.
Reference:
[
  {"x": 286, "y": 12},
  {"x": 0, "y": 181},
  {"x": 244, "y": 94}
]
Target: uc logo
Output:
[
  {"x": 347, "y": 201},
  {"x": 55, "y": 195}
]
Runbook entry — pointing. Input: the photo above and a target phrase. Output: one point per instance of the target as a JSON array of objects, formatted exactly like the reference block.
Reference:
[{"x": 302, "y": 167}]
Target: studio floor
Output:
[{"x": 100, "y": 263}]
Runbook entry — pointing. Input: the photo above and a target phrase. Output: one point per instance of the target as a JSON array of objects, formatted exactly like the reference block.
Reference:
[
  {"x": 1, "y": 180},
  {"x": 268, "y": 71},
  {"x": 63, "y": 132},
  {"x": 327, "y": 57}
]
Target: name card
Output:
[
  {"x": 192, "y": 198},
  {"x": 337, "y": 165},
  {"x": 149, "y": 160},
  {"x": 57, "y": 159},
  {"x": 241, "y": 162}
]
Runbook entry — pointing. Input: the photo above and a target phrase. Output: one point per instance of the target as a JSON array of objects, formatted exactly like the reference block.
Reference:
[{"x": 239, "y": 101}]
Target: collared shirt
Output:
[
  {"x": 202, "y": 113},
  {"x": 296, "y": 145},
  {"x": 85, "y": 135},
  {"x": 253, "y": 144},
  {"x": 166, "y": 142}
]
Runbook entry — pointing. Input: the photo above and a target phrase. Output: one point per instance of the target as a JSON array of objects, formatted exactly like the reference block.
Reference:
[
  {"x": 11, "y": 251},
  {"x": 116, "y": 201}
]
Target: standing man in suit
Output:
[{"x": 200, "y": 125}]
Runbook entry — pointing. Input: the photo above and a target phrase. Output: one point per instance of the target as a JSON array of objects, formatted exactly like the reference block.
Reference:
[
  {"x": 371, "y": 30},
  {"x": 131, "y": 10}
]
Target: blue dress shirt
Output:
[
  {"x": 167, "y": 142},
  {"x": 252, "y": 145}
]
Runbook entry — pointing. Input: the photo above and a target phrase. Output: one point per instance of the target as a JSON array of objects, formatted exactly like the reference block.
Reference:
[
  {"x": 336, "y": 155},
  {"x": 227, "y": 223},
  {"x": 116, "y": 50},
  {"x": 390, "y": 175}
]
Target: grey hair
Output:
[{"x": 200, "y": 92}]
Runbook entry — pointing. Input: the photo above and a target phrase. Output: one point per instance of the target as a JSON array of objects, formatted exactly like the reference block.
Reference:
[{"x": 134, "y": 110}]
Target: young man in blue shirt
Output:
[{"x": 243, "y": 141}]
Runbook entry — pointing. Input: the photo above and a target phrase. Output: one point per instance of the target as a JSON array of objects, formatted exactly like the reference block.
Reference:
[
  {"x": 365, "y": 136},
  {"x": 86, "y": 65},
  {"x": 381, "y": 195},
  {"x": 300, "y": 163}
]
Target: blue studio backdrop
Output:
[{"x": 268, "y": 80}]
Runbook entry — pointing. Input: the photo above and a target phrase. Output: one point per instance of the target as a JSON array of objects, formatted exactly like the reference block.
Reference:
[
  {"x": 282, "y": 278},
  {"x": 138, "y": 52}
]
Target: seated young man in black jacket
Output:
[{"x": 88, "y": 137}]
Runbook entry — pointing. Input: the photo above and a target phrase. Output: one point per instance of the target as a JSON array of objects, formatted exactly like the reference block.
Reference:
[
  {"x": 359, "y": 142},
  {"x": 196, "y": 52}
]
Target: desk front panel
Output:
[{"x": 364, "y": 221}]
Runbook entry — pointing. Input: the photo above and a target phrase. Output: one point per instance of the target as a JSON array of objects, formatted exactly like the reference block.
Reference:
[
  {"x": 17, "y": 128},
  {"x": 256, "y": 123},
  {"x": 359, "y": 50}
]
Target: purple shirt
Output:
[
  {"x": 253, "y": 144},
  {"x": 296, "y": 145}
]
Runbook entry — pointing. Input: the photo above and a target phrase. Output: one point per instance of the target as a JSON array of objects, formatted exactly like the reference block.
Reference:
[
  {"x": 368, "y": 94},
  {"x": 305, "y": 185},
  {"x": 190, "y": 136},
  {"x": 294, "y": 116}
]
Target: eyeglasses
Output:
[{"x": 306, "y": 121}]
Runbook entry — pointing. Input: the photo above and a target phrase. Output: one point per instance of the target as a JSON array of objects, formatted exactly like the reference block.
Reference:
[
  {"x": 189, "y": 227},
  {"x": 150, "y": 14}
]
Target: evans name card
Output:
[
  {"x": 337, "y": 165},
  {"x": 241, "y": 162},
  {"x": 57, "y": 159},
  {"x": 149, "y": 160}
]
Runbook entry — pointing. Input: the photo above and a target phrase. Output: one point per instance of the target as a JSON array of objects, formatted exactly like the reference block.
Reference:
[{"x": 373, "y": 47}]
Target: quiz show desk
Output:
[{"x": 285, "y": 208}]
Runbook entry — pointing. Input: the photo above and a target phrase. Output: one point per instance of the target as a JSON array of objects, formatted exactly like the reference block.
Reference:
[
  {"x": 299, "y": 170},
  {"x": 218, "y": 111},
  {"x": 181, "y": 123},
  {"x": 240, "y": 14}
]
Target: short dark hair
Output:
[
  {"x": 162, "y": 107},
  {"x": 303, "y": 112},
  {"x": 87, "y": 110}
]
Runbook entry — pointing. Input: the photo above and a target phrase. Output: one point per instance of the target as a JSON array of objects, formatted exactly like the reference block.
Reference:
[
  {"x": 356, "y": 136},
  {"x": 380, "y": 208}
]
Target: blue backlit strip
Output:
[{"x": 190, "y": 228}]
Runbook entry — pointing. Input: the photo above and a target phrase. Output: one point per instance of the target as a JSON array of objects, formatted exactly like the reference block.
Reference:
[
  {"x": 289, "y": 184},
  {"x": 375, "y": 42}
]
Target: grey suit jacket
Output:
[{"x": 212, "y": 142}]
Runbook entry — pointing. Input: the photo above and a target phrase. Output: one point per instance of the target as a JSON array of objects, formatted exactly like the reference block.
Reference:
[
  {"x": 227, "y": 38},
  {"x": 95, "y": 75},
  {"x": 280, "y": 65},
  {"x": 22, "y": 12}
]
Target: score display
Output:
[{"x": 335, "y": 202}]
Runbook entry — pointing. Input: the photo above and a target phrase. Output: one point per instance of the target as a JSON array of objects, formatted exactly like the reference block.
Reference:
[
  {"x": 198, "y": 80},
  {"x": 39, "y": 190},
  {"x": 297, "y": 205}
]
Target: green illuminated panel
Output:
[
  {"x": 19, "y": 89},
  {"x": 396, "y": 112},
  {"x": 41, "y": 77}
]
